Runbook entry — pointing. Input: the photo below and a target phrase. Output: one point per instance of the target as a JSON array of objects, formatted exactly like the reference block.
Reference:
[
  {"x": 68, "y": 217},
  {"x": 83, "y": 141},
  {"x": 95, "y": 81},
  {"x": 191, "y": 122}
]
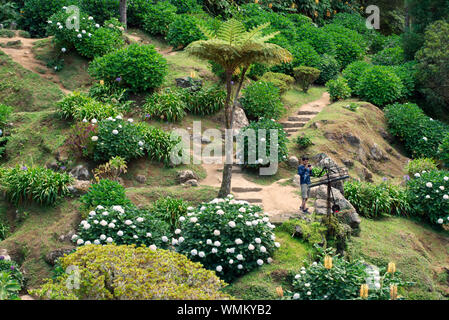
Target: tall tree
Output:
[
  {"x": 122, "y": 9},
  {"x": 234, "y": 48}
]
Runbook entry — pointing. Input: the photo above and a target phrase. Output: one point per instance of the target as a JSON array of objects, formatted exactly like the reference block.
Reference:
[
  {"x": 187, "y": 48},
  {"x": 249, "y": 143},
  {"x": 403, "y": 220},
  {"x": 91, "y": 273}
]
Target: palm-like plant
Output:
[
  {"x": 235, "y": 49},
  {"x": 8, "y": 286}
]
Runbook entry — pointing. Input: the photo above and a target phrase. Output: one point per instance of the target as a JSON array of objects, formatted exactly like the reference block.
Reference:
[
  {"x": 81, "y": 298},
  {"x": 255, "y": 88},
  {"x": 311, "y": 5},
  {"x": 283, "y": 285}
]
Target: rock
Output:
[
  {"x": 67, "y": 237},
  {"x": 186, "y": 175},
  {"x": 80, "y": 172},
  {"x": 322, "y": 161},
  {"x": 333, "y": 136},
  {"x": 293, "y": 162},
  {"x": 297, "y": 180},
  {"x": 53, "y": 165},
  {"x": 367, "y": 175},
  {"x": 188, "y": 82},
  {"x": 54, "y": 255},
  {"x": 388, "y": 137},
  {"x": 79, "y": 187},
  {"x": 316, "y": 125},
  {"x": 239, "y": 121},
  {"x": 5, "y": 255},
  {"x": 352, "y": 139},
  {"x": 376, "y": 153},
  {"x": 192, "y": 183},
  {"x": 298, "y": 232},
  {"x": 320, "y": 206},
  {"x": 348, "y": 163},
  {"x": 141, "y": 178},
  {"x": 350, "y": 218}
]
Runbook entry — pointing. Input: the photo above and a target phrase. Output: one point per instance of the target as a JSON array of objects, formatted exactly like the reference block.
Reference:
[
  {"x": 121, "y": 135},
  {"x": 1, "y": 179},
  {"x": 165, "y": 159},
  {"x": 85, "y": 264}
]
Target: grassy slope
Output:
[{"x": 420, "y": 253}]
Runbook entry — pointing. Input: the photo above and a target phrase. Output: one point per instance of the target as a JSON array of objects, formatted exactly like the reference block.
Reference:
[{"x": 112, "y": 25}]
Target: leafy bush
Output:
[
  {"x": 282, "y": 81},
  {"x": 158, "y": 17},
  {"x": 122, "y": 225},
  {"x": 13, "y": 269},
  {"x": 334, "y": 278},
  {"x": 262, "y": 99},
  {"x": 9, "y": 13},
  {"x": 421, "y": 164},
  {"x": 248, "y": 149},
  {"x": 380, "y": 85},
  {"x": 90, "y": 40},
  {"x": 303, "y": 55},
  {"x": 137, "y": 67},
  {"x": 106, "y": 193},
  {"x": 443, "y": 150},
  {"x": 429, "y": 197},
  {"x": 305, "y": 76},
  {"x": 373, "y": 201},
  {"x": 159, "y": 145},
  {"x": 303, "y": 142},
  {"x": 79, "y": 106},
  {"x": 5, "y": 112},
  {"x": 117, "y": 137},
  {"x": 43, "y": 186},
  {"x": 100, "y": 10},
  {"x": 186, "y": 6},
  {"x": 169, "y": 210},
  {"x": 35, "y": 14},
  {"x": 421, "y": 135},
  {"x": 407, "y": 72},
  {"x": 205, "y": 101},
  {"x": 6, "y": 33},
  {"x": 110, "y": 94},
  {"x": 312, "y": 232},
  {"x": 354, "y": 71},
  {"x": 389, "y": 57},
  {"x": 338, "y": 89},
  {"x": 125, "y": 272},
  {"x": 257, "y": 70},
  {"x": 350, "y": 45},
  {"x": 167, "y": 105},
  {"x": 112, "y": 169},
  {"x": 329, "y": 68},
  {"x": 9, "y": 288},
  {"x": 320, "y": 40},
  {"x": 183, "y": 30},
  {"x": 228, "y": 236}
]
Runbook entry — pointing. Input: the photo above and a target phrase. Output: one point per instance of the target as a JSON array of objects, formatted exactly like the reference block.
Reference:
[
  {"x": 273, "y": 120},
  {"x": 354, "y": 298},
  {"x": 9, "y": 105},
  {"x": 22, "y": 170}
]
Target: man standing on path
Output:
[{"x": 304, "y": 172}]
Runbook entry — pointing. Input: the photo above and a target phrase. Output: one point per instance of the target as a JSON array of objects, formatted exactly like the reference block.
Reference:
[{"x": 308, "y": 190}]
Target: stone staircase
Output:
[
  {"x": 295, "y": 123},
  {"x": 248, "y": 194}
]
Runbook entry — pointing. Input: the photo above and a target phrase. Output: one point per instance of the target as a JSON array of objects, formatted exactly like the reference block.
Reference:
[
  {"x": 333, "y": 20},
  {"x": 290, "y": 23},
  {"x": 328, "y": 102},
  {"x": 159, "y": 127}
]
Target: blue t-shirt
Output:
[{"x": 305, "y": 174}]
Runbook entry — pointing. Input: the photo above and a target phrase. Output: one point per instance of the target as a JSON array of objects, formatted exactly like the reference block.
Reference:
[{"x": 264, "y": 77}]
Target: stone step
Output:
[
  {"x": 307, "y": 113},
  {"x": 298, "y": 119},
  {"x": 291, "y": 130},
  {"x": 292, "y": 124},
  {"x": 258, "y": 201},
  {"x": 243, "y": 189}
]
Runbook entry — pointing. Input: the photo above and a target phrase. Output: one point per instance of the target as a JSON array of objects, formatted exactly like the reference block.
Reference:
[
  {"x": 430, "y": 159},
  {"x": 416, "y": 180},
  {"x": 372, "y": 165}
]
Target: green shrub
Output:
[
  {"x": 6, "y": 33},
  {"x": 282, "y": 81},
  {"x": 421, "y": 135},
  {"x": 183, "y": 30},
  {"x": 122, "y": 225},
  {"x": 428, "y": 196},
  {"x": 303, "y": 55},
  {"x": 312, "y": 232},
  {"x": 167, "y": 105},
  {"x": 421, "y": 164},
  {"x": 104, "y": 193},
  {"x": 5, "y": 112},
  {"x": 303, "y": 142},
  {"x": 305, "y": 76},
  {"x": 320, "y": 40},
  {"x": 159, "y": 145},
  {"x": 407, "y": 72},
  {"x": 262, "y": 99},
  {"x": 110, "y": 94},
  {"x": 117, "y": 137},
  {"x": 257, "y": 70},
  {"x": 228, "y": 236},
  {"x": 443, "y": 150},
  {"x": 13, "y": 269},
  {"x": 329, "y": 68},
  {"x": 36, "y": 13},
  {"x": 354, "y": 71},
  {"x": 169, "y": 210},
  {"x": 128, "y": 273},
  {"x": 350, "y": 45},
  {"x": 90, "y": 40},
  {"x": 186, "y": 6},
  {"x": 338, "y": 89},
  {"x": 137, "y": 67},
  {"x": 341, "y": 279},
  {"x": 380, "y": 85},
  {"x": 24, "y": 34},
  {"x": 4, "y": 229},
  {"x": 205, "y": 101},
  {"x": 248, "y": 149},
  {"x": 9, "y": 288},
  {"x": 158, "y": 17},
  {"x": 100, "y": 10},
  {"x": 79, "y": 106},
  {"x": 373, "y": 201},
  {"x": 34, "y": 184},
  {"x": 389, "y": 57}
]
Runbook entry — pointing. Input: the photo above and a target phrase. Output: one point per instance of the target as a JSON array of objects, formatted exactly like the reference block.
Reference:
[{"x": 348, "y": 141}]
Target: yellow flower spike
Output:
[
  {"x": 328, "y": 262},
  {"x": 364, "y": 291},
  {"x": 192, "y": 74},
  {"x": 270, "y": 5},
  {"x": 316, "y": 13},
  {"x": 393, "y": 292},
  {"x": 391, "y": 267},
  {"x": 328, "y": 13},
  {"x": 317, "y": 1},
  {"x": 280, "y": 292},
  {"x": 102, "y": 82},
  {"x": 256, "y": 1}
]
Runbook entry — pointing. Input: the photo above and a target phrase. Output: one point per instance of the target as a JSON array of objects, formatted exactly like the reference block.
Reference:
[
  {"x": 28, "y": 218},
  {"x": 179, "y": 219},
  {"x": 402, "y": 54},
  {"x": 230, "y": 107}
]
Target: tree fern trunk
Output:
[
  {"x": 122, "y": 10},
  {"x": 225, "y": 188}
]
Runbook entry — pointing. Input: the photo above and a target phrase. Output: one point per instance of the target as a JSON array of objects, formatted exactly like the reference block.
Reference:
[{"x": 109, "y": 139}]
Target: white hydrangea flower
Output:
[
  {"x": 298, "y": 276},
  {"x": 181, "y": 240},
  {"x": 239, "y": 257},
  {"x": 251, "y": 247},
  {"x": 309, "y": 293},
  {"x": 219, "y": 268},
  {"x": 79, "y": 242},
  {"x": 114, "y": 132},
  {"x": 105, "y": 213},
  {"x": 153, "y": 247},
  {"x": 201, "y": 254},
  {"x": 307, "y": 285},
  {"x": 277, "y": 244},
  {"x": 148, "y": 235},
  {"x": 91, "y": 18},
  {"x": 263, "y": 249},
  {"x": 248, "y": 223},
  {"x": 424, "y": 138},
  {"x": 231, "y": 224},
  {"x": 79, "y": 35},
  {"x": 140, "y": 143},
  {"x": 97, "y": 241},
  {"x": 440, "y": 221},
  {"x": 217, "y": 243},
  {"x": 109, "y": 240},
  {"x": 100, "y": 207},
  {"x": 269, "y": 260},
  {"x": 446, "y": 178},
  {"x": 429, "y": 185},
  {"x": 128, "y": 222},
  {"x": 103, "y": 223},
  {"x": 135, "y": 236},
  {"x": 242, "y": 210},
  {"x": 182, "y": 219},
  {"x": 92, "y": 213},
  {"x": 216, "y": 233},
  {"x": 164, "y": 239},
  {"x": 296, "y": 296},
  {"x": 209, "y": 241},
  {"x": 273, "y": 237},
  {"x": 140, "y": 219},
  {"x": 193, "y": 252},
  {"x": 96, "y": 222},
  {"x": 258, "y": 240},
  {"x": 238, "y": 241},
  {"x": 427, "y": 197},
  {"x": 120, "y": 233},
  {"x": 441, "y": 188},
  {"x": 177, "y": 231},
  {"x": 240, "y": 267},
  {"x": 190, "y": 208},
  {"x": 194, "y": 219},
  {"x": 445, "y": 197},
  {"x": 255, "y": 222},
  {"x": 265, "y": 219},
  {"x": 214, "y": 250},
  {"x": 74, "y": 237},
  {"x": 220, "y": 212},
  {"x": 417, "y": 175},
  {"x": 111, "y": 225},
  {"x": 259, "y": 262},
  {"x": 97, "y": 25}
]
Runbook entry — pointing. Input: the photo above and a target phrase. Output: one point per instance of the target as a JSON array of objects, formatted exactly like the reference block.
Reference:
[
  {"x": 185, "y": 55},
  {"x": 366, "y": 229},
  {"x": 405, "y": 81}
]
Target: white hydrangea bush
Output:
[
  {"x": 123, "y": 225},
  {"x": 229, "y": 236}
]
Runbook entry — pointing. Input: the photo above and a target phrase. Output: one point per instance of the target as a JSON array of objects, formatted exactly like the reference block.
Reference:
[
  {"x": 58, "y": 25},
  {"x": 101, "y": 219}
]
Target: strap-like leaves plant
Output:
[{"x": 235, "y": 49}]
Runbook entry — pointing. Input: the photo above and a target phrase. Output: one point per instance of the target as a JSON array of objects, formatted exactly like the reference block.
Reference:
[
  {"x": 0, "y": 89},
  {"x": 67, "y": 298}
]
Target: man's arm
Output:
[{"x": 301, "y": 170}]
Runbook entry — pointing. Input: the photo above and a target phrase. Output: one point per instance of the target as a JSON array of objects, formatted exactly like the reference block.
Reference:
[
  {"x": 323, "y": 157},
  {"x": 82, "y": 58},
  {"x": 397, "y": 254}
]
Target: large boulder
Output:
[
  {"x": 4, "y": 255},
  {"x": 293, "y": 162},
  {"x": 80, "y": 172},
  {"x": 79, "y": 187},
  {"x": 189, "y": 83},
  {"x": 54, "y": 255},
  {"x": 238, "y": 122},
  {"x": 323, "y": 160},
  {"x": 186, "y": 175}
]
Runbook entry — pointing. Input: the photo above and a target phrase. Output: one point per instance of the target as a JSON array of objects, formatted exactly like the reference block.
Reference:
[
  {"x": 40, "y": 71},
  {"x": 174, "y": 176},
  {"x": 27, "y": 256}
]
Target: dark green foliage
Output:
[
  {"x": 186, "y": 6},
  {"x": 167, "y": 105},
  {"x": 354, "y": 71},
  {"x": 321, "y": 41},
  {"x": 338, "y": 89},
  {"x": 303, "y": 142},
  {"x": 158, "y": 17},
  {"x": 137, "y": 67},
  {"x": 389, "y": 57},
  {"x": 443, "y": 150},
  {"x": 101, "y": 10},
  {"x": 407, "y": 72},
  {"x": 329, "y": 69},
  {"x": 169, "y": 210},
  {"x": 106, "y": 193},
  {"x": 262, "y": 99},
  {"x": 5, "y": 112},
  {"x": 183, "y": 30},
  {"x": 306, "y": 76},
  {"x": 205, "y": 101},
  {"x": 284, "y": 82}
]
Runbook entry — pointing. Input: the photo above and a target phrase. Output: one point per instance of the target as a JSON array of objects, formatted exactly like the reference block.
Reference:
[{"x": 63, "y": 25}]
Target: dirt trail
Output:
[
  {"x": 279, "y": 201},
  {"x": 25, "y": 57}
]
